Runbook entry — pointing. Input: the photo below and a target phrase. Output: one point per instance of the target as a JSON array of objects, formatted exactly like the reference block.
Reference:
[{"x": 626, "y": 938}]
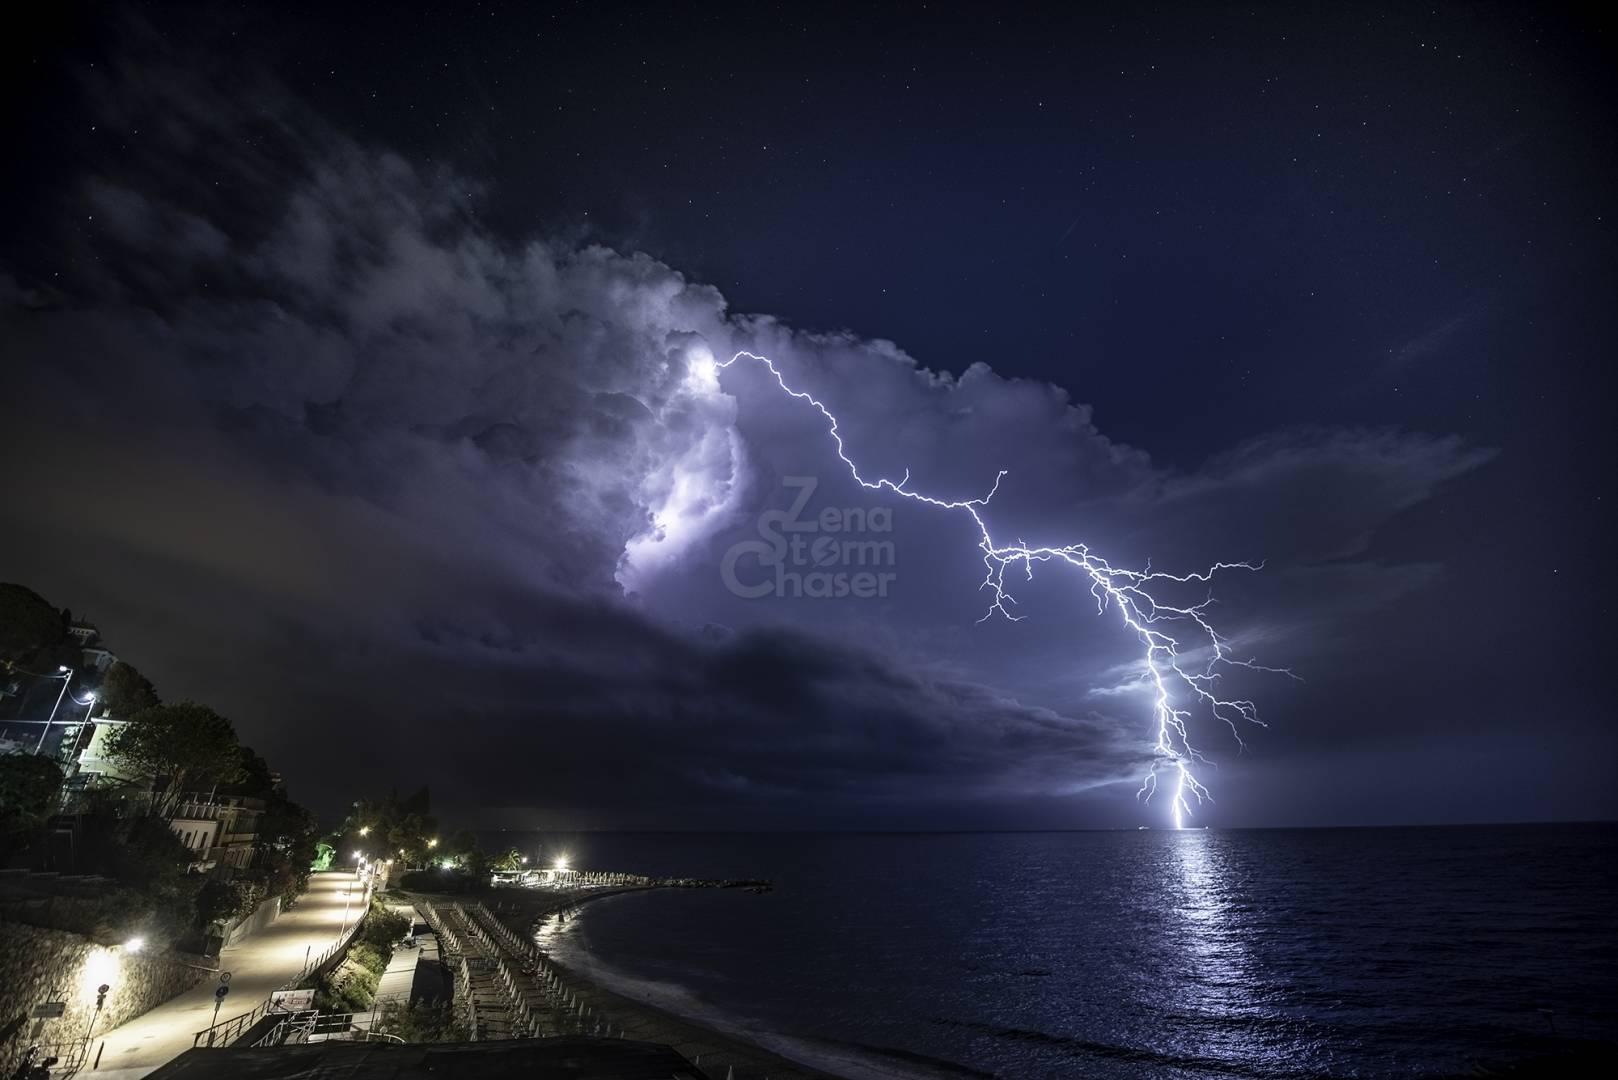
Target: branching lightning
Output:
[{"x": 1169, "y": 667}]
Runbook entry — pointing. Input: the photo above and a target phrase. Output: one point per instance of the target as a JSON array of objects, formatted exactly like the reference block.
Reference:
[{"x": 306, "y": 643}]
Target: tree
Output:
[
  {"x": 125, "y": 692},
  {"x": 255, "y": 777},
  {"x": 389, "y": 828},
  {"x": 287, "y": 838},
  {"x": 286, "y": 831},
  {"x": 144, "y": 854},
  {"x": 383, "y": 928},
  {"x": 28, "y": 624},
  {"x": 408, "y": 836},
  {"x": 177, "y": 745},
  {"x": 28, "y": 790},
  {"x": 220, "y": 900},
  {"x": 507, "y": 860}
]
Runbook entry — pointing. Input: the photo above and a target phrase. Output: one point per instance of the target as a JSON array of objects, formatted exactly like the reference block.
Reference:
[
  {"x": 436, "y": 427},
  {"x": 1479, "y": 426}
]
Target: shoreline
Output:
[
  {"x": 716, "y": 1053},
  {"x": 817, "y": 1056}
]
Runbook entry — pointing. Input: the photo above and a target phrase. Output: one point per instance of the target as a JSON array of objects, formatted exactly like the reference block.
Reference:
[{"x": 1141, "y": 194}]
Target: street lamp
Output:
[
  {"x": 365, "y": 830},
  {"x": 135, "y": 944},
  {"x": 101, "y": 1001},
  {"x": 348, "y": 893},
  {"x": 64, "y": 673}
]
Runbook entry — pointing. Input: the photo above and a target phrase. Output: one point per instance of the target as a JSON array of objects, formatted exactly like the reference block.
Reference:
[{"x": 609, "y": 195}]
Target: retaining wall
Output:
[{"x": 39, "y": 965}]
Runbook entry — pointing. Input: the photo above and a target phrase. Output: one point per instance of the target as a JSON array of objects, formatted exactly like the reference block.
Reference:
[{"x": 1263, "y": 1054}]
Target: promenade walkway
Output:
[
  {"x": 401, "y": 974},
  {"x": 258, "y": 965}
]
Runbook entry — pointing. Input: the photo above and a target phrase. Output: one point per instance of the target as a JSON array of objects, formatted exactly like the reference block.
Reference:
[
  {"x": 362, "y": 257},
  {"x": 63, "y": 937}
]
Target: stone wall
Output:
[{"x": 39, "y": 965}]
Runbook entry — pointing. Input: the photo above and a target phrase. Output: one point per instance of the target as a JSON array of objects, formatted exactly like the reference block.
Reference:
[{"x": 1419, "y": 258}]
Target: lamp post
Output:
[
  {"x": 89, "y": 704},
  {"x": 348, "y": 896},
  {"x": 101, "y": 1000},
  {"x": 348, "y": 893},
  {"x": 65, "y": 673}
]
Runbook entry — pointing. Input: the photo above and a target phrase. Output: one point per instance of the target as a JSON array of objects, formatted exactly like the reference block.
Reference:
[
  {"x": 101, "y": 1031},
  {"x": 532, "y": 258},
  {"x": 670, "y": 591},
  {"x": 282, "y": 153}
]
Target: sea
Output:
[{"x": 1392, "y": 952}]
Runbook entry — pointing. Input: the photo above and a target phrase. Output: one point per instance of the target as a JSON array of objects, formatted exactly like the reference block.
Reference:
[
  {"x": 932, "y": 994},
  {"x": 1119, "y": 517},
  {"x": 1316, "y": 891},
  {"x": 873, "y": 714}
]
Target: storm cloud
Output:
[{"x": 378, "y": 481}]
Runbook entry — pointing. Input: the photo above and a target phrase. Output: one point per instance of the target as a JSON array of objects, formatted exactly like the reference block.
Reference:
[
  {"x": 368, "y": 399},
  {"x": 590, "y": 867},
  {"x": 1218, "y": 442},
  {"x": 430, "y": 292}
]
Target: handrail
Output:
[{"x": 470, "y": 999}]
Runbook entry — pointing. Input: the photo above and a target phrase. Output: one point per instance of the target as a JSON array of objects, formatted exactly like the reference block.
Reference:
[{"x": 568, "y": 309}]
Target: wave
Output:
[{"x": 1128, "y": 1055}]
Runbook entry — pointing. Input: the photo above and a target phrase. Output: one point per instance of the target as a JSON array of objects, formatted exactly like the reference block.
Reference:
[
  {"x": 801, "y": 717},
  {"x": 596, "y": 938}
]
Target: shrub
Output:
[
  {"x": 369, "y": 957},
  {"x": 28, "y": 788},
  {"x": 221, "y": 901},
  {"x": 420, "y": 1024},
  {"x": 351, "y": 988},
  {"x": 383, "y": 929},
  {"x": 440, "y": 881}
]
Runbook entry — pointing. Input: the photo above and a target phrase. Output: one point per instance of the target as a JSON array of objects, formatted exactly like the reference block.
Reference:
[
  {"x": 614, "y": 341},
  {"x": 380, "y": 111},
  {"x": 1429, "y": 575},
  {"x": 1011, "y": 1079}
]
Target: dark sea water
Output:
[{"x": 1288, "y": 953}]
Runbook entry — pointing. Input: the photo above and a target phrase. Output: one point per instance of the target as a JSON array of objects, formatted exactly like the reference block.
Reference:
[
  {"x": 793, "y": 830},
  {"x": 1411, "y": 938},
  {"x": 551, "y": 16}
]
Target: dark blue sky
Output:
[
  {"x": 1371, "y": 247},
  {"x": 1313, "y": 216}
]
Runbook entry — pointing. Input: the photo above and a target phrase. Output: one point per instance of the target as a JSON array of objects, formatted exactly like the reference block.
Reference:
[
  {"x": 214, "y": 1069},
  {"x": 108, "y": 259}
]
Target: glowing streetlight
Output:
[
  {"x": 433, "y": 842},
  {"x": 135, "y": 944},
  {"x": 66, "y": 674},
  {"x": 365, "y": 830}
]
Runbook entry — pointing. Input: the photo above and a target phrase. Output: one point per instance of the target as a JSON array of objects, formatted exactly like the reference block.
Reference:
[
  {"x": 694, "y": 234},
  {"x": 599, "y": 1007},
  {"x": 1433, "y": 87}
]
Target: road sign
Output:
[
  {"x": 49, "y": 1010},
  {"x": 220, "y": 993},
  {"x": 224, "y": 978},
  {"x": 292, "y": 1000}
]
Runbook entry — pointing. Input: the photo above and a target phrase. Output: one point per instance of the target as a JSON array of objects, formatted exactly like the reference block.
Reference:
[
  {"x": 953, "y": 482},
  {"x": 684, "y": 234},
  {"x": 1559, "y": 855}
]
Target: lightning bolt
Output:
[{"x": 1168, "y": 665}]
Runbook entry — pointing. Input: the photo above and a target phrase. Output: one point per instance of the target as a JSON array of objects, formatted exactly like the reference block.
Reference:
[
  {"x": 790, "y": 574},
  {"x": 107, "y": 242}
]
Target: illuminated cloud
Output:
[{"x": 389, "y": 463}]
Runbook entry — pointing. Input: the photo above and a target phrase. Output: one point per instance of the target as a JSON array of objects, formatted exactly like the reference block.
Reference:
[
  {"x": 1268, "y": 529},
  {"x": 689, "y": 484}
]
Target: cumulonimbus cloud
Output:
[{"x": 351, "y": 398}]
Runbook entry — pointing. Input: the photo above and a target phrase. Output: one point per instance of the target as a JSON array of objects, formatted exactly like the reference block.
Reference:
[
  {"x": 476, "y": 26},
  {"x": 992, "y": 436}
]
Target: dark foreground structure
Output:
[{"x": 576, "y": 1057}]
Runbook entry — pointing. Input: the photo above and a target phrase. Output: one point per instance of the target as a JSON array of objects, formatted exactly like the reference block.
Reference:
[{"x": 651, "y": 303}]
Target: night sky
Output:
[{"x": 355, "y": 385}]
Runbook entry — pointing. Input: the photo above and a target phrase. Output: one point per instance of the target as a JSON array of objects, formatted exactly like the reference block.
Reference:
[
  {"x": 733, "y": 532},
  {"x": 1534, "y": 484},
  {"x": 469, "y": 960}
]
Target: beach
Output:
[{"x": 718, "y": 1054}]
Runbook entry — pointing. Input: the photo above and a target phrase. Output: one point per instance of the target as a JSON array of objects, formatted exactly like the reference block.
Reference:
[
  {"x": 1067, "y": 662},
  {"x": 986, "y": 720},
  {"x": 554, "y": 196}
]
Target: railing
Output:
[
  {"x": 70, "y": 1055},
  {"x": 227, "y": 1032},
  {"x": 298, "y": 1026},
  {"x": 295, "y": 1023},
  {"x": 531, "y": 982},
  {"x": 190, "y": 811},
  {"x": 465, "y": 993}
]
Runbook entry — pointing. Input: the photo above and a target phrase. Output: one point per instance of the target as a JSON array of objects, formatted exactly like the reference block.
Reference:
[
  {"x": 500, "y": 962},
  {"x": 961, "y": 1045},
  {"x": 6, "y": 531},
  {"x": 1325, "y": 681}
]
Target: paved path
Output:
[
  {"x": 258, "y": 965},
  {"x": 401, "y": 974}
]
